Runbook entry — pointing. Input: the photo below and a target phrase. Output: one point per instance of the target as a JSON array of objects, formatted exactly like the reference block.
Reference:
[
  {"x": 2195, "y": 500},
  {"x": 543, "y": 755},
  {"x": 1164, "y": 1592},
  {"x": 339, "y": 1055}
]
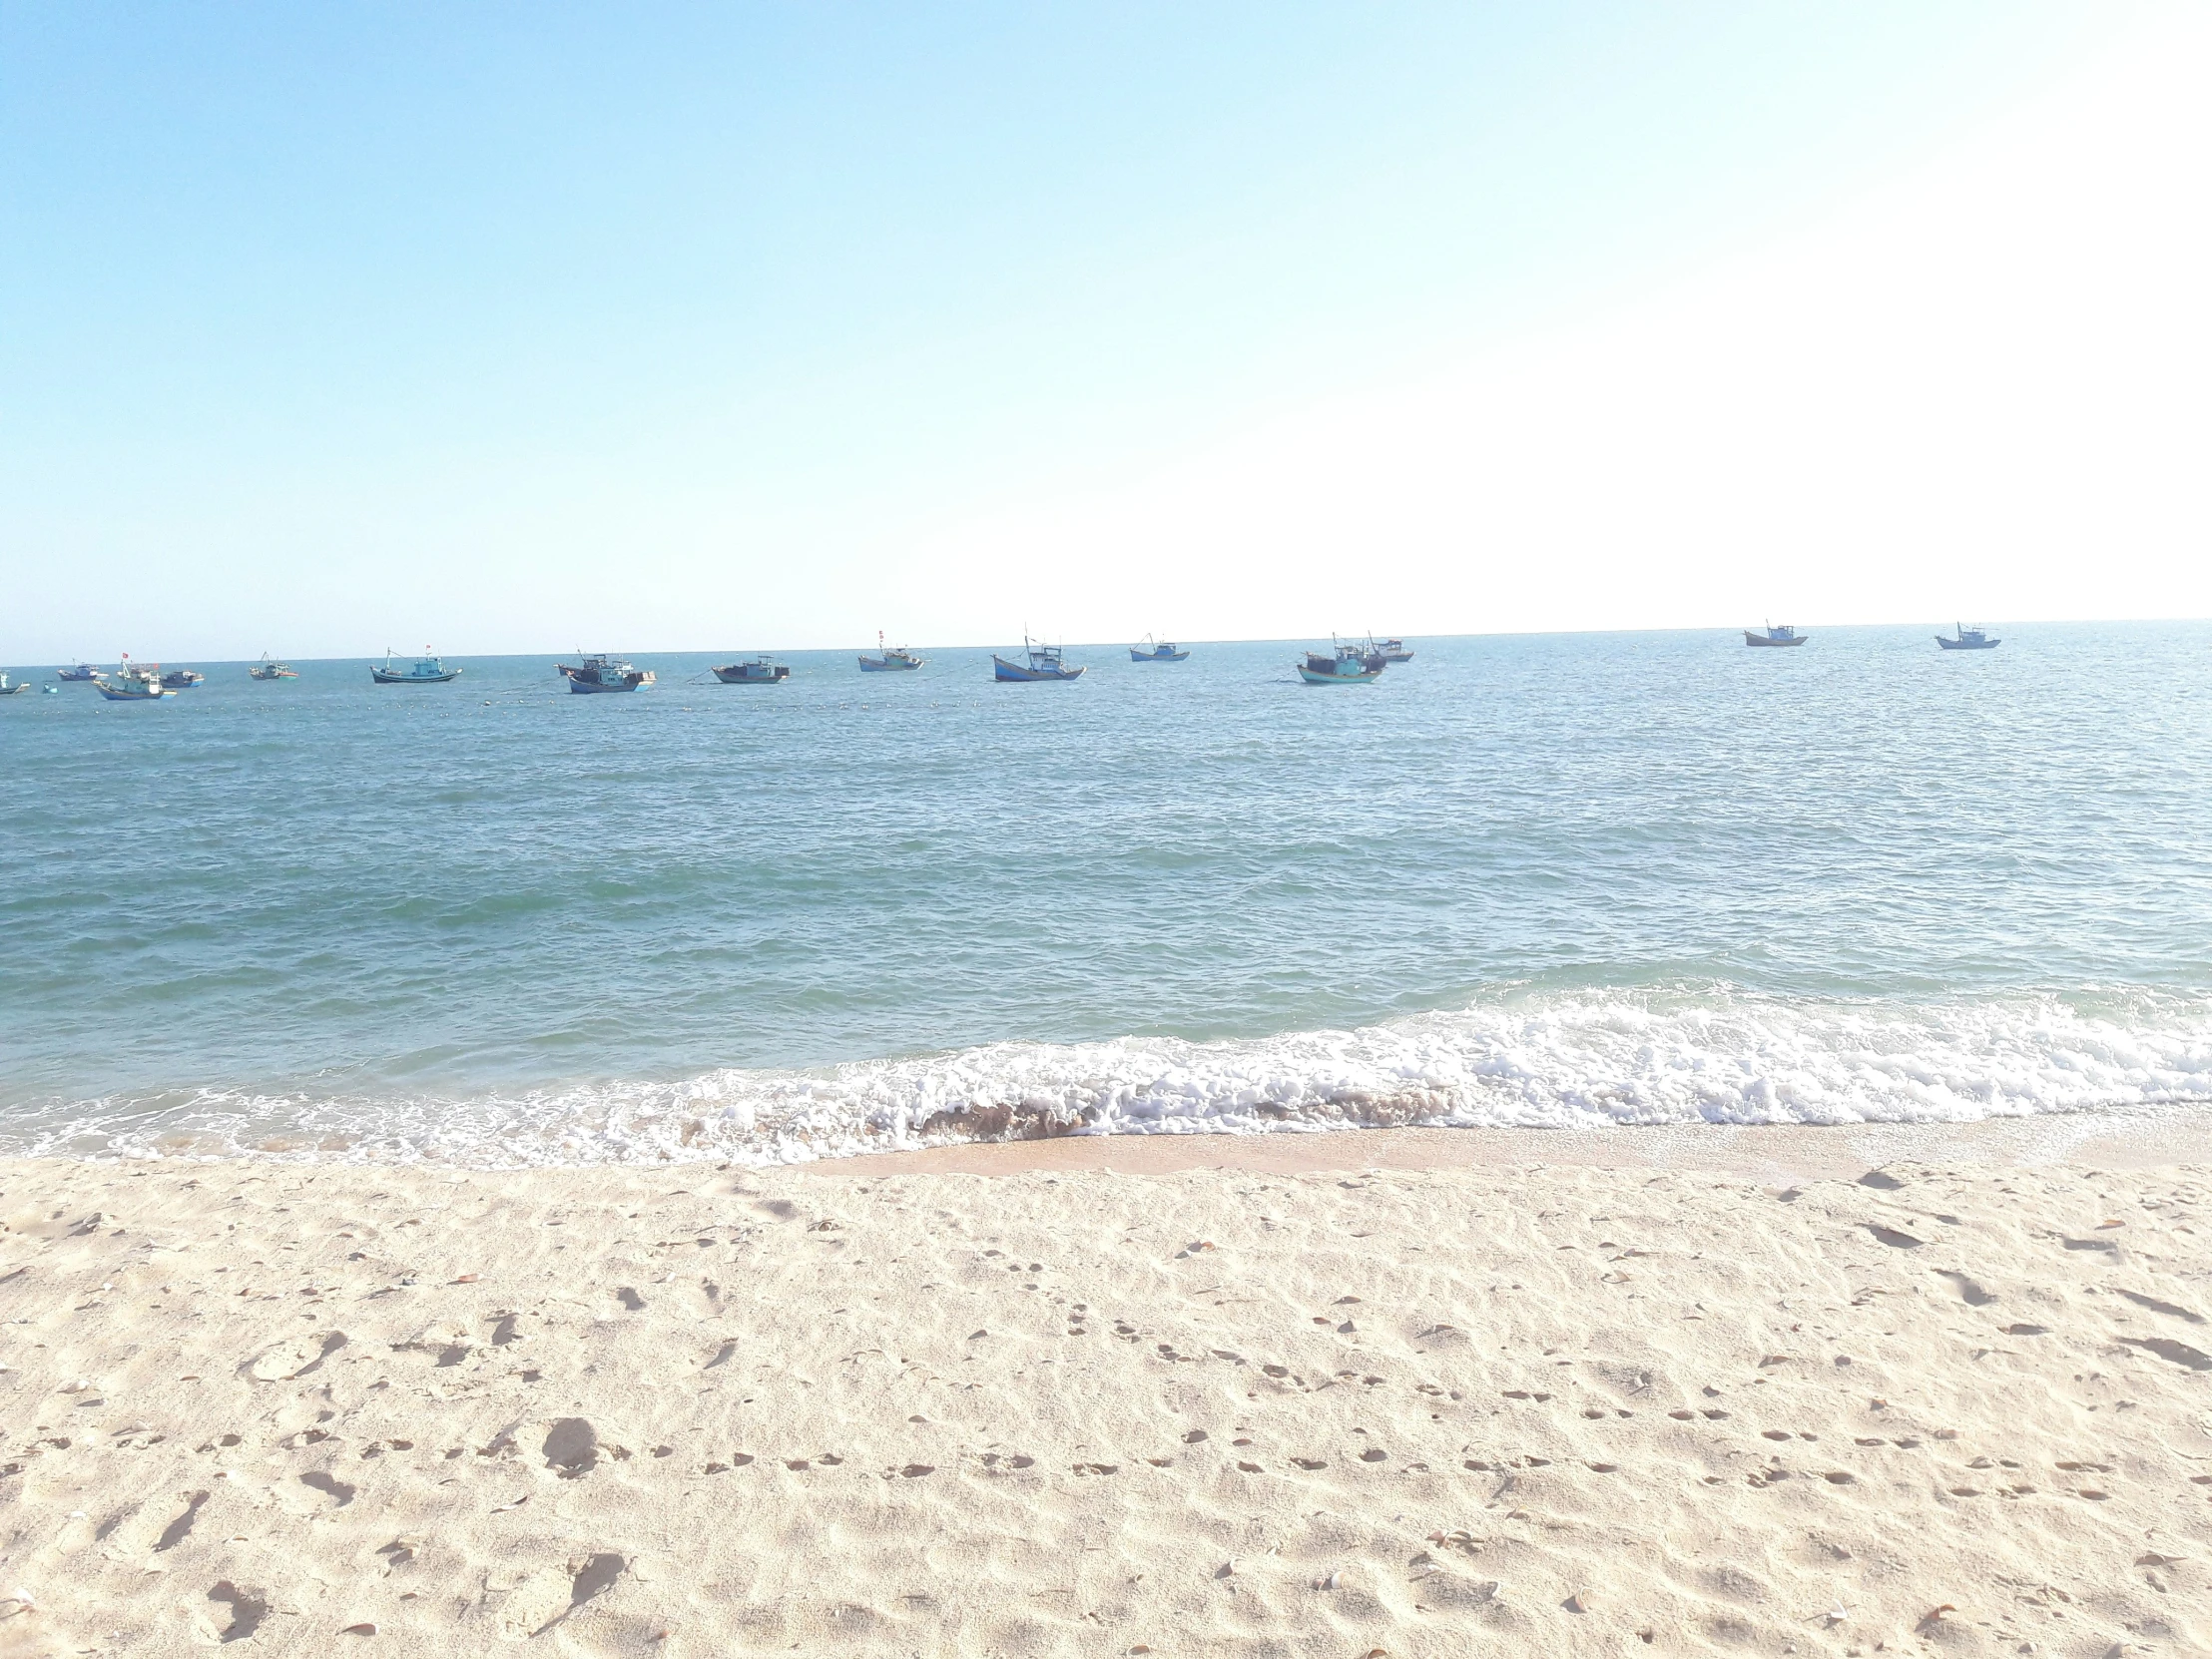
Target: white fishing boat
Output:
[
  {"x": 895, "y": 660},
  {"x": 603, "y": 673}
]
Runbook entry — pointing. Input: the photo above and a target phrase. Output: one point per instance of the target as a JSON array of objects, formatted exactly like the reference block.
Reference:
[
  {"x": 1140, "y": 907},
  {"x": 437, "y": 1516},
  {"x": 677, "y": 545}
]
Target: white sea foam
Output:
[{"x": 1560, "y": 1059}]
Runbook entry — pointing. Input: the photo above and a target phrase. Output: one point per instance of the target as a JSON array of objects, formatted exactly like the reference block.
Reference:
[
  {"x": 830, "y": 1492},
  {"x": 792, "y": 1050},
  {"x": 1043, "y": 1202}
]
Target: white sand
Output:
[{"x": 1217, "y": 1412}]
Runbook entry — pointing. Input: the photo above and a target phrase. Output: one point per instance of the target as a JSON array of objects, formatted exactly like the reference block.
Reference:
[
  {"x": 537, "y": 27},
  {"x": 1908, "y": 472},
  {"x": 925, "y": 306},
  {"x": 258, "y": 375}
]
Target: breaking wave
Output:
[{"x": 1561, "y": 1061}]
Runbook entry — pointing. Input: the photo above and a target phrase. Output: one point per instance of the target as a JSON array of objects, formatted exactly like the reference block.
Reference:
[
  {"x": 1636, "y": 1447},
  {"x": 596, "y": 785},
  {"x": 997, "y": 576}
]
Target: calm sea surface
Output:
[{"x": 1547, "y": 879}]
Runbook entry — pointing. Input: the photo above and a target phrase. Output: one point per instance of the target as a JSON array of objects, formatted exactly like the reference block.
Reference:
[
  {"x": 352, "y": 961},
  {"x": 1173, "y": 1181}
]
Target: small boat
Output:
[
  {"x": 425, "y": 669},
  {"x": 133, "y": 683},
  {"x": 895, "y": 660},
  {"x": 10, "y": 687},
  {"x": 182, "y": 679},
  {"x": 83, "y": 671},
  {"x": 1345, "y": 664},
  {"x": 1784, "y": 635},
  {"x": 1393, "y": 651},
  {"x": 1156, "y": 651},
  {"x": 1044, "y": 663},
  {"x": 761, "y": 671},
  {"x": 50, "y": 691},
  {"x": 1970, "y": 639},
  {"x": 603, "y": 673},
  {"x": 268, "y": 668}
]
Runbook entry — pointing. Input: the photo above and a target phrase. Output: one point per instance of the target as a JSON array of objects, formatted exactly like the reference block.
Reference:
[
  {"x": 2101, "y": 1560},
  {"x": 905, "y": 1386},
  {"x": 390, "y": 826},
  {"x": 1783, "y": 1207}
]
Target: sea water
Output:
[{"x": 1559, "y": 879}]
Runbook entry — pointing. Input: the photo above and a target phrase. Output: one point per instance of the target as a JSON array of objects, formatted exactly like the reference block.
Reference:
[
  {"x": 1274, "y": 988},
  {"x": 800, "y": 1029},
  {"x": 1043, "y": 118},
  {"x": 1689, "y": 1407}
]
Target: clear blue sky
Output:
[{"x": 517, "y": 327}]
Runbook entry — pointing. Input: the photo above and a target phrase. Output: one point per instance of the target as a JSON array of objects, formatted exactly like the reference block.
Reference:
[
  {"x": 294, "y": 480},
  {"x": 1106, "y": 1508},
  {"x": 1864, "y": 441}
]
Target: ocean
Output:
[{"x": 1558, "y": 879}]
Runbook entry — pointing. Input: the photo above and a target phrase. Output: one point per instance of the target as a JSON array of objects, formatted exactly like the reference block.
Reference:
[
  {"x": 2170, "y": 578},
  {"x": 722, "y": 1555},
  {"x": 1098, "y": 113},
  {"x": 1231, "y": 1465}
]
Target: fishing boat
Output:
[
  {"x": 1044, "y": 662},
  {"x": 1156, "y": 651},
  {"x": 425, "y": 669},
  {"x": 1771, "y": 635},
  {"x": 268, "y": 668},
  {"x": 761, "y": 671},
  {"x": 1970, "y": 639},
  {"x": 892, "y": 661},
  {"x": 182, "y": 679},
  {"x": 83, "y": 671},
  {"x": 133, "y": 683},
  {"x": 9, "y": 688},
  {"x": 1345, "y": 665},
  {"x": 603, "y": 673},
  {"x": 1393, "y": 651}
]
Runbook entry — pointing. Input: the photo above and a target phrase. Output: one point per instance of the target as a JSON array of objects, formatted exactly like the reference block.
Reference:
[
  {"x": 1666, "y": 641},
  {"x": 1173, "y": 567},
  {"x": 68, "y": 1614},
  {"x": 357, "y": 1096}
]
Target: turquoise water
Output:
[{"x": 1521, "y": 879}]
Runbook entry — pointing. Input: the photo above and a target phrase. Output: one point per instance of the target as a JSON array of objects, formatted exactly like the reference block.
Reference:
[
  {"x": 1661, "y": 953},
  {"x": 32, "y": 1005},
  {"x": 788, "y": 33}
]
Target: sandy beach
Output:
[{"x": 1306, "y": 1396}]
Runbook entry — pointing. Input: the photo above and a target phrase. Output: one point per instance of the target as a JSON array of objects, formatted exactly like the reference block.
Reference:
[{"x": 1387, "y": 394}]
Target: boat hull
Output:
[
  {"x": 152, "y": 694},
  {"x": 88, "y": 674},
  {"x": 883, "y": 665},
  {"x": 1967, "y": 645},
  {"x": 1017, "y": 674},
  {"x": 1362, "y": 677},
  {"x": 272, "y": 674},
  {"x": 745, "y": 674},
  {"x": 384, "y": 679},
  {"x": 627, "y": 683},
  {"x": 1761, "y": 641},
  {"x": 16, "y": 690},
  {"x": 1137, "y": 656}
]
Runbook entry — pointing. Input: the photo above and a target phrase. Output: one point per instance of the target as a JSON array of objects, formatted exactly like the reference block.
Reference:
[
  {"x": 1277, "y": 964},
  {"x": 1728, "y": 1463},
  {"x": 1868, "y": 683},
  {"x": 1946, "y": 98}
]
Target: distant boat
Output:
[
  {"x": 1784, "y": 635},
  {"x": 1158, "y": 650},
  {"x": 268, "y": 668},
  {"x": 602, "y": 673},
  {"x": 83, "y": 671},
  {"x": 761, "y": 671},
  {"x": 133, "y": 683},
  {"x": 1970, "y": 639},
  {"x": 182, "y": 679},
  {"x": 12, "y": 689},
  {"x": 895, "y": 660},
  {"x": 1345, "y": 664},
  {"x": 426, "y": 670},
  {"x": 1394, "y": 651},
  {"x": 1044, "y": 663}
]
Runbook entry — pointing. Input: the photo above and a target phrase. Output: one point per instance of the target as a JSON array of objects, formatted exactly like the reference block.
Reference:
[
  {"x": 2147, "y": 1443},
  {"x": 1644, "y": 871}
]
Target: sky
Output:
[{"x": 524, "y": 327}]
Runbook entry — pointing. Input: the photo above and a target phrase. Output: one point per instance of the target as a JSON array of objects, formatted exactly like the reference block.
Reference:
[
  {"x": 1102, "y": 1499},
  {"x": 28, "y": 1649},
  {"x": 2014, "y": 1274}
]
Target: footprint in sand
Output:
[
  {"x": 1969, "y": 1290},
  {"x": 247, "y": 1610},
  {"x": 330, "y": 1485},
  {"x": 571, "y": 1449},
  {"x": 180, "y": 1529}
]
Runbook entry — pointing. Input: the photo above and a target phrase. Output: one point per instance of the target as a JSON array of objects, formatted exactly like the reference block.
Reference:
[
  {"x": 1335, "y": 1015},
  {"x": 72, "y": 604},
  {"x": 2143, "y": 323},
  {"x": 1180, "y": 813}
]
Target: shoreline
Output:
[{"x": 2137, "y": 1138}]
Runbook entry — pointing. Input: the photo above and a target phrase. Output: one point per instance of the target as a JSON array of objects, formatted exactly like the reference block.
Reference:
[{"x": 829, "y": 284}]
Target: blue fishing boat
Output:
[
  {"x": 1156, "y": 651},
  {"x": 83, "y": 671},
  {"x": 1345, "y": 665},
  {"x": 425, "y": 669},
  {"x": 603, "y": 673},
  {"x": 1970, "y": 639},
  {"x": 893, "y": 661},
  {"x": 1771, "y": 635},
  {"x": 761, "y": 671},
  {"x": 1044, "y": 663}
]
